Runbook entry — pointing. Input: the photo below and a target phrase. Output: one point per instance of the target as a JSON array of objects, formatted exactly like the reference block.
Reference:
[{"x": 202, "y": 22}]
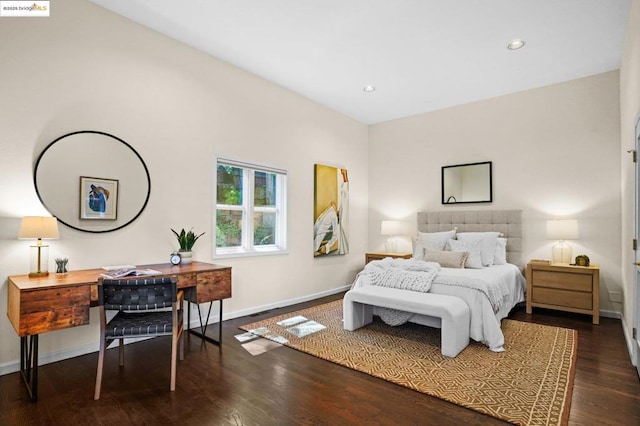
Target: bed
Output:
[{"x": 506, "y": 279}]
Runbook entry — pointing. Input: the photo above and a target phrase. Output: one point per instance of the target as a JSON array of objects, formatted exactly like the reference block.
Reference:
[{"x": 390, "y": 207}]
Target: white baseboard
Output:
[
  {"x": 628, "y": 337},
  {"x": 13, "y": 366},
  {"x": 611, "y": 314},
  {"x": 282, "y": 304}
]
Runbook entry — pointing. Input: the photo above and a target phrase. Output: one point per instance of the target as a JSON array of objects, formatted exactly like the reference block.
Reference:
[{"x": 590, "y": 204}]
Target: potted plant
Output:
[{"x": 186, "y": 240}]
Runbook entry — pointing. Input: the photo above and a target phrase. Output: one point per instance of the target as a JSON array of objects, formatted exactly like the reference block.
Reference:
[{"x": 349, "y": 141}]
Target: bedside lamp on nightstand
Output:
[
  {"x": 561, "y": 230},
  {"x": 392, "y": 228}
]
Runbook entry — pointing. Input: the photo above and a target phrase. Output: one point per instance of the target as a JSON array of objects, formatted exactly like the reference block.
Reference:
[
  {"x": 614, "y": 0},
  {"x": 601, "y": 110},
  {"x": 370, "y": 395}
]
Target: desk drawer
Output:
[
  {"x": 213, "y": 285},
  {"x": 563, "y": 280},
  {"x": 185, "y": 280},
  {"x": 53, "y": 309}
]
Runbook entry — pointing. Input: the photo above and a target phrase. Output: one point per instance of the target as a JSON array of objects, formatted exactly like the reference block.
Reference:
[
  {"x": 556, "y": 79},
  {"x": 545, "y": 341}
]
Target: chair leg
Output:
[
  {"x": 121, "y": 352},
  {"x": 181, "y": 342},
  {"x": 96, "y": 394},
  {"x": 174, "y": 353}
]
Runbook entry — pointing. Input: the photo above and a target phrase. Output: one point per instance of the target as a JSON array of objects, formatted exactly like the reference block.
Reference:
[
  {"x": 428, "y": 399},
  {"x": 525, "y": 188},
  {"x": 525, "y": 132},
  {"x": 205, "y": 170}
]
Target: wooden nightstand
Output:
[
  {"x": 368, "y": 257},
  {"x": 564, "y": 287}
]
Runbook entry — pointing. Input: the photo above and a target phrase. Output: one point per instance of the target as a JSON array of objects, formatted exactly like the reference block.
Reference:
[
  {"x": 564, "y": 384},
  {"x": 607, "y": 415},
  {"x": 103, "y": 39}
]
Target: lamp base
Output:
[
  {"x": 391, "y": 246},
  {"x": 561, "y": 252},
  {"x": 39, "y": 261}
]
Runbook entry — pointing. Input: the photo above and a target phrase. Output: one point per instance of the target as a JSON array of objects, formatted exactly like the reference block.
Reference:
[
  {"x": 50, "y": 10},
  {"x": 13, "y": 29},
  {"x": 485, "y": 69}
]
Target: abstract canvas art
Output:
[
  {"x": 331, "y": 211},
  {"x": 98, "y": 198}
]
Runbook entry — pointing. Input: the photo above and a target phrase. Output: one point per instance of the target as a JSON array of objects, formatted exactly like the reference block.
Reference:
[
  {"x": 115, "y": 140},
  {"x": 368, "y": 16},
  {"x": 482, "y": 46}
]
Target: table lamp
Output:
[
  {"x": 391, "y": 228},
  {"x": 40, "y": 228},
  {"x": 561, "y": 230}
]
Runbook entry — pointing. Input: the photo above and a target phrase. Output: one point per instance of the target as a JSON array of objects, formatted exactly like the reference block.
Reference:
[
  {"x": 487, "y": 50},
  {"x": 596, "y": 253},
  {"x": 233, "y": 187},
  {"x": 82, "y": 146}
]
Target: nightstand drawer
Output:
[
  {"x": 565, "y": 298},
  {"x": 563, "y": 280}
]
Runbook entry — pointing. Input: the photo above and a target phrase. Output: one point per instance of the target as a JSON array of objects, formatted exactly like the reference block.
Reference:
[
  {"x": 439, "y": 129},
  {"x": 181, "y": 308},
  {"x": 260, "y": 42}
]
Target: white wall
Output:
[
  {"x": 85, "y": 68},
  {"x": 555, "y": 153},
  {"x": 629, "y": 112}
]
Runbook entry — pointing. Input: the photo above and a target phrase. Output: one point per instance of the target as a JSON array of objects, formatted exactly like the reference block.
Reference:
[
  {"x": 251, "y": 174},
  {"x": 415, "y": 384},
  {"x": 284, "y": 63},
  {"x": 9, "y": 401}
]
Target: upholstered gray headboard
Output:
[{"x": 508, "y": 222}]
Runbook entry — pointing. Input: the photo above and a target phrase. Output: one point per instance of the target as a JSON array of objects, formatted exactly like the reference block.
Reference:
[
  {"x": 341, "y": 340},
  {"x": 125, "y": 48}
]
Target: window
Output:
[{"x": 251, "y": 211}]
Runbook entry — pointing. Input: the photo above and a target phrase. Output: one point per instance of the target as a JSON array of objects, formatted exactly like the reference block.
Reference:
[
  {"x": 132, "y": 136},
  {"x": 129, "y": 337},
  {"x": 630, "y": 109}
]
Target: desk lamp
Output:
[
  {"x": 391, "y": 228},
  {"x": 561, "y": 230},
  {"x": 40, "y": 228}
]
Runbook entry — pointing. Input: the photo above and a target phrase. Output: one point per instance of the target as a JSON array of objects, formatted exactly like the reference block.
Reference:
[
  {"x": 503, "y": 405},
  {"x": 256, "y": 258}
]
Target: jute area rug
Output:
[{"x": 528, "y": 384}]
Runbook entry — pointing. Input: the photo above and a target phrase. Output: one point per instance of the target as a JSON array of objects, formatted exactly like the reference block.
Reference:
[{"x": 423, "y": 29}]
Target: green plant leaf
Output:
[{"x": 186, "y": 240}]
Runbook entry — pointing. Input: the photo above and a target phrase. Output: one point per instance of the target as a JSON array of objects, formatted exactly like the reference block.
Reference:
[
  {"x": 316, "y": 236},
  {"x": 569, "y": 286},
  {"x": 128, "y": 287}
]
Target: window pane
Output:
[
  {"x": 250, "y": 209},
  {"x": 264, "y": 193},
  {"x": 229, "y": 189},
  {"x": 228, "y": 228},
  {"x": 264, "y": 225}
]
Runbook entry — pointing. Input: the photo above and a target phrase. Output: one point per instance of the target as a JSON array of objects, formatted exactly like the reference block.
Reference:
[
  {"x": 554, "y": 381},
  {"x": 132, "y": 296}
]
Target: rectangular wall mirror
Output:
[{"x": 467, "y": 183}]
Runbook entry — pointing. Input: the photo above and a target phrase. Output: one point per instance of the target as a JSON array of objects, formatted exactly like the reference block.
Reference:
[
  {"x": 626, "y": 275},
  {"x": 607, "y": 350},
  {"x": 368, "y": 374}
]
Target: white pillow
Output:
[
  {"x": 500, "y": 257},
  {"x": 488, "y": 241},
  {"x": 446, "y": 259},
  {"x": 432, "y": 241},
  {"x": 473, "y": 248}
]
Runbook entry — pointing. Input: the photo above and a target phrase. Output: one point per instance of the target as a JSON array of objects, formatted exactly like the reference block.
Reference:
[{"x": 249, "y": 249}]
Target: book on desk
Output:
[{"x": 129, "y": 272}]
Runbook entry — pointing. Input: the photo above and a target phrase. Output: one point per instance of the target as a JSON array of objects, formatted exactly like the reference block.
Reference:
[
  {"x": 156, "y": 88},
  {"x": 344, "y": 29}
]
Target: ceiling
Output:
[{"x": 421, "y": 55}]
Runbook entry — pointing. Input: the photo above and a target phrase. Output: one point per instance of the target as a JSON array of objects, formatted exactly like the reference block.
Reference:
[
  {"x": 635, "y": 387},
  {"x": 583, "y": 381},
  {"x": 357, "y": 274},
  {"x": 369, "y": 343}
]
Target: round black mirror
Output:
[{"x": 92, "y": 181}]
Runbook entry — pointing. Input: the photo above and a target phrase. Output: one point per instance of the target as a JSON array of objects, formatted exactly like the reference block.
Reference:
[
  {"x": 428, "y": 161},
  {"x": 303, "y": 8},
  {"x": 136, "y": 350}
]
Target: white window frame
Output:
[{"x": 247, "y": 247}]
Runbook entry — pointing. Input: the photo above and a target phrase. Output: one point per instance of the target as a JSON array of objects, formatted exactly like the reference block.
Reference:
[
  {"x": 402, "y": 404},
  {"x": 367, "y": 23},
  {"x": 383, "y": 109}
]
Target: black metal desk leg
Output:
[
  {"x": 203, "y": 327},
  {"x": 29, "y": 364}
]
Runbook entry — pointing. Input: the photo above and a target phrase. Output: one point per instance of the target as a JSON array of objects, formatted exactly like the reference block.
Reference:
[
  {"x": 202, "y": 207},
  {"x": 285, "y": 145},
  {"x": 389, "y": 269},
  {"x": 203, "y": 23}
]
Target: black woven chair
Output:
[{"x": 140, "y": 303}]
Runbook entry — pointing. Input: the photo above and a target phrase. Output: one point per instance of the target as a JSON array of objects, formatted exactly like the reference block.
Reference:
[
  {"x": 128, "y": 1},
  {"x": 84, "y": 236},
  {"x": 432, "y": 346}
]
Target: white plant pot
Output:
[{"x": 186, "y": 257}]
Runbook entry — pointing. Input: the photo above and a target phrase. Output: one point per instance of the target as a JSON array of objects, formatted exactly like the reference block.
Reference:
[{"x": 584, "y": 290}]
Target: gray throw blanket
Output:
[{"x": 404, "y": 274}]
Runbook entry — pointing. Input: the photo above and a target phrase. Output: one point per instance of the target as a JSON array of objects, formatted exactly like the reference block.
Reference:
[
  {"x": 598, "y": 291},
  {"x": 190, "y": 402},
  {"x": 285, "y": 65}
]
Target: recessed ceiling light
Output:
[
  {"x": 515, "y": 44},
  {"x": 369, "y": 88}
]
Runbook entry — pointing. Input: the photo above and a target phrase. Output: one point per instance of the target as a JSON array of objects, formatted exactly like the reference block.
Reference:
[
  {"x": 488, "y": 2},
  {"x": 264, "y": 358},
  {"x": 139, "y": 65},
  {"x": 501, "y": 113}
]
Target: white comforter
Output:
[{"x": 506, "y": 280}]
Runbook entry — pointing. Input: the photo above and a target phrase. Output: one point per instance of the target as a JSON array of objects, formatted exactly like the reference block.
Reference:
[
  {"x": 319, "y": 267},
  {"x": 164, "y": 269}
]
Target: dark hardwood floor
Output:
[{"x": 227, "y": 385}]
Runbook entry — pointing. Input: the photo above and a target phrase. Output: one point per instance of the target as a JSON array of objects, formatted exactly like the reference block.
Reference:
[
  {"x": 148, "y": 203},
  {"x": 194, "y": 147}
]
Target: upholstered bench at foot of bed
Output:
[{"x": 453, "y": 312}]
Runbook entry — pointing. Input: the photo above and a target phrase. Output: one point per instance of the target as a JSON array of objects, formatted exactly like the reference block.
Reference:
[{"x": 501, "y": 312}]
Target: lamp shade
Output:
[
  {"x": 391, "y": 227},
  {"x": 563, "y": 229},
  {"x": 38, "y": 227}
]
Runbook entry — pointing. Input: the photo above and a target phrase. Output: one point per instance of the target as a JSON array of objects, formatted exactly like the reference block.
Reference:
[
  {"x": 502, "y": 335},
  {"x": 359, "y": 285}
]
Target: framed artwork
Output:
[
  {"x": 98, "y": 198},
  {"x": 331, "y": 211}
]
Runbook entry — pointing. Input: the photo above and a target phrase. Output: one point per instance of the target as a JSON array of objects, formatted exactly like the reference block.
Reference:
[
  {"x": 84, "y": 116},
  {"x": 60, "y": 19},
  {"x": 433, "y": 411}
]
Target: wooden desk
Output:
[{"x": 59, "y": 301}]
